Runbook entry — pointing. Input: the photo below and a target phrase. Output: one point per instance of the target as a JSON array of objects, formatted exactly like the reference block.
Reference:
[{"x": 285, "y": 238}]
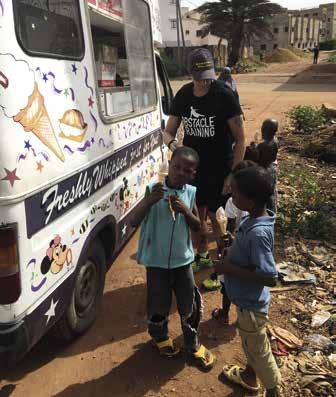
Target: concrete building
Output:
[
  {"x": 302, "y": 29},
  {"x": 191, "y": 26}
]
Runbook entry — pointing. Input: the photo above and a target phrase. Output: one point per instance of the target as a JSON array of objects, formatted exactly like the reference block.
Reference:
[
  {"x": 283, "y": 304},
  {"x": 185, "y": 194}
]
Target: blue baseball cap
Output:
[{"x": 201, "y": 65}]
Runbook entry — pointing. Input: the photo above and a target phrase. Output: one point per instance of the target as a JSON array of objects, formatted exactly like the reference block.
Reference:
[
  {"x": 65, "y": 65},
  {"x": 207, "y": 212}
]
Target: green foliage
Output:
[
  {"x": 248, "y": 65},
  {"x": 306, "y": 211},
  {"x": 306, "y": 119},
  {"x": 332, "y": 58},
  {"x": 171, "y": 66},
  {"x": 236, "y": 20},
  {"x": 328, "y": 45}
]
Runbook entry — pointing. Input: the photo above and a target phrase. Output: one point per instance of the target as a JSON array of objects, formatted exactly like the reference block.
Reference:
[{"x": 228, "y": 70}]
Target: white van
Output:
[{"x": 81, "y": 136}]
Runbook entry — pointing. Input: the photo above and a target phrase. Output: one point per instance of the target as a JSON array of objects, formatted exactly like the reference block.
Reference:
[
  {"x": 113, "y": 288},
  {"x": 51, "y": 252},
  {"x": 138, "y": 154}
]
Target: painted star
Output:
[
  {"x": 92, "y": 140},
  {"x": 40, "y": 166},
  {"x": 66, "y": 92},
  {"x": 27, "y": 145},
  {"x": 74, "y": 68},
  {"x": 45, "y": 78},
  {"x": 124, "y": 230},
  {"x": 51, "y": 312},
  {"x": 91, "y": 102},
  {"x": 11, "y": 176}
]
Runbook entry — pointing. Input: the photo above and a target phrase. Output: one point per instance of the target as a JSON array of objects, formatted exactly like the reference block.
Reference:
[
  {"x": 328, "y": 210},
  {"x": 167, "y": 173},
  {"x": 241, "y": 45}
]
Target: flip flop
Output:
[
  {"x": 233, "y": 374},
  {"x": 203, "y": 358},
  {"x": 167, "y": 347}
]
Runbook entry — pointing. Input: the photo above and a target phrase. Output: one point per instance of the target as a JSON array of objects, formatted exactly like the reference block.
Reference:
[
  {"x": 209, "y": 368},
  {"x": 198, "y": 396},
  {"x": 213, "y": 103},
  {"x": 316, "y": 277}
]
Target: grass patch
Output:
[
  {"x": 332, "y": 58},
  {"x": 305, "y": 208},
  {"x": 306, "y": 119}
]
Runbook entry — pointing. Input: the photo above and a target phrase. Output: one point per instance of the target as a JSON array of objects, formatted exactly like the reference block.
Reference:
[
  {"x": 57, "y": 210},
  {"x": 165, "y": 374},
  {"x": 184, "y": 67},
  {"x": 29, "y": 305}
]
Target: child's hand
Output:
[
  {"x": 178, "y": 205},
  {"x": 156, "y": 194}
]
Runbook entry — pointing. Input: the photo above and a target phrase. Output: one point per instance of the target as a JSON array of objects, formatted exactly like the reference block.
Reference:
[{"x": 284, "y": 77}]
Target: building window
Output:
[
  {"x": 199, "y": 33},
  {"x": 315, "y": 14},
  {"x": 275, "y": 46},
  {"x": 263, "y": 47},
  {"x": 328, "y": 19},
  {"x": 299, "y": 45},
  {"x": 276, "y": 30},
  {"x": 173, "y": 24},
  {"x": 187, "y": 32},
  {"x": 286, "y": 29},
  {"x": 328, "y": 31},
  {"x": 293, "y": 30},
  {"x": 307, "y": 30},
  {"x": 306, "y": 15}
]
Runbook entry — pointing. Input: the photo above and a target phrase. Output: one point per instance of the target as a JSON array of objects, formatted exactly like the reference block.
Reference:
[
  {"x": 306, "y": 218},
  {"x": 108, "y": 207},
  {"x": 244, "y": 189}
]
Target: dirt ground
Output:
[{"x": 115, "y": 357}]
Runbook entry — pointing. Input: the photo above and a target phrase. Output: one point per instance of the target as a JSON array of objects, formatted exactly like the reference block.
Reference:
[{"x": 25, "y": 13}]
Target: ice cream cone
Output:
[
  {"x": 34, "y": 118},
  {"x": 221, "y": 219}
]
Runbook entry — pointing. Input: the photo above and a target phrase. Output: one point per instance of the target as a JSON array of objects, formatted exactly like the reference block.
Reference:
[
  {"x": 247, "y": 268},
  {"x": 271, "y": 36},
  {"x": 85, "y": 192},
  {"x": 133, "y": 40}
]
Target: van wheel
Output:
[{"x": 86, "y": 296}]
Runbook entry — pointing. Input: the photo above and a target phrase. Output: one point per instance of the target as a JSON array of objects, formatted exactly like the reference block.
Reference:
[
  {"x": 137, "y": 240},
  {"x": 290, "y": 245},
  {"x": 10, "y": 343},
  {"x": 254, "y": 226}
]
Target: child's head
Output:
[
  {"x": 269, "y": 128},
  {"x": 182, "y": 166},
  {"x": 251, "y": 188}
]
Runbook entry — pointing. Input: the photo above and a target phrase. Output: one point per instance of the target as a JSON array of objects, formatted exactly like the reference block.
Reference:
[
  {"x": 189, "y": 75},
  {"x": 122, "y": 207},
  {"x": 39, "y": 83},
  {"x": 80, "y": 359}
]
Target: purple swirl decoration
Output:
[
  {"x": 87, "y": 145},
  {"x": 32, "y": 261},
  {"x": 86, "y": 80},
  {"x": 94, "y": 120},
  {"x": 68, "y": 149},
  {"x": 22, "y": 157},
  {"x": 57, "y": 90},
  {"x": 35, "y": 288},
  {"x": 75, "y": 241}
]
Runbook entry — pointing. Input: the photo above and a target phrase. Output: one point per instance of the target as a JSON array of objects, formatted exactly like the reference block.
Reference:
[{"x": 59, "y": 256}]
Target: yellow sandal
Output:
[
  {"x": 167, "y": 348},
  {"x": 203, "y": 358}
]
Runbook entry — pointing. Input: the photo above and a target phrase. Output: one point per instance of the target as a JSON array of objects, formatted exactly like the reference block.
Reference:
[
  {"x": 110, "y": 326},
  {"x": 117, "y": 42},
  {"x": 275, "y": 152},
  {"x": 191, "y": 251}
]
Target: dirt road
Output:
[{"x": 114, "y": 358}]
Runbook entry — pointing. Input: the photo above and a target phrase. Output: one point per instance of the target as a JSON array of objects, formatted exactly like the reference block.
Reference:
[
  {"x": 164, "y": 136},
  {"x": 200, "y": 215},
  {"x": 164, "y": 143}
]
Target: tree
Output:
[{"x": 236, "y": 20}]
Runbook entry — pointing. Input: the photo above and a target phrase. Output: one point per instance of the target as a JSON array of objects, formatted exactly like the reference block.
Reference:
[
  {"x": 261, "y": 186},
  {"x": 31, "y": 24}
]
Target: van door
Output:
[{"x": 165, "y": 90}]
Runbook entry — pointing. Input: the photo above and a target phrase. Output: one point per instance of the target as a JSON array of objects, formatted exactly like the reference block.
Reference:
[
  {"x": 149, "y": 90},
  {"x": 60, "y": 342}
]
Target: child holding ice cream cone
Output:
[{"x": 167, "y": 213}]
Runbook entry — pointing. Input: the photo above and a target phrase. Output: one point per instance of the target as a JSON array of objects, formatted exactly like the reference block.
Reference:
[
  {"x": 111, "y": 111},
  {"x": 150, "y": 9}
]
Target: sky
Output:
[{"x": 292, "y": 4}]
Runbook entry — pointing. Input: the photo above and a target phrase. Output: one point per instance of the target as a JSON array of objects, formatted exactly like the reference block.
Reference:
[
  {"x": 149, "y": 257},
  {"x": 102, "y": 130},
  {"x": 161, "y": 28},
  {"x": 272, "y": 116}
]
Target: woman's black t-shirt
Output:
[{"x": 206, "y": 127}]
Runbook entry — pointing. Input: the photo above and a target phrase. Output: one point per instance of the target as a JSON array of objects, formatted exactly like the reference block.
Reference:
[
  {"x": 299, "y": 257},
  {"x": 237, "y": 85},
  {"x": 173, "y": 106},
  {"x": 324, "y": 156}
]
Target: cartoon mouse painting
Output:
[{"x": 56, "y": 256}]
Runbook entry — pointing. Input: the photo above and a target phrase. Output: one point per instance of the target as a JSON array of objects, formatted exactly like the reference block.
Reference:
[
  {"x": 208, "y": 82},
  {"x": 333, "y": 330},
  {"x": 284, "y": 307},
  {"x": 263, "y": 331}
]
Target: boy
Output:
[
  {"x": 249, "y": 270},
  {"x": 268, "y": 152},
  {"x": 168, "y": 212}
]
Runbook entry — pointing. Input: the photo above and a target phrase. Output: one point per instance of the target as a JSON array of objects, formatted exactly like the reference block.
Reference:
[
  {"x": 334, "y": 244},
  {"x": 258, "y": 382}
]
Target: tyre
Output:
[{"x": 86, "y": 296}]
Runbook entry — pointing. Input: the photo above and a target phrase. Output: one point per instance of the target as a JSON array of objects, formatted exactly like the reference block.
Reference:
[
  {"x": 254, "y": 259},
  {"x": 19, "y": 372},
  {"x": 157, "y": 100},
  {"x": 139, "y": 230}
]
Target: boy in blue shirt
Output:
[
  {"x": 167, "y": 213},
  {"x": 249, "y": 270}
]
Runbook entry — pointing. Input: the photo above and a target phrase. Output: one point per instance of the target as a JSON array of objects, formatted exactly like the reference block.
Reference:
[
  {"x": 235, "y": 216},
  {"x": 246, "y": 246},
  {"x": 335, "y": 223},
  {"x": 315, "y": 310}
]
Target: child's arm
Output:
[
  {"x": 192, "y": 217},
  {"x": 262, "y": 268},
  {"x": 151, "y": 197},
  {"x": 245, "y": 273}
]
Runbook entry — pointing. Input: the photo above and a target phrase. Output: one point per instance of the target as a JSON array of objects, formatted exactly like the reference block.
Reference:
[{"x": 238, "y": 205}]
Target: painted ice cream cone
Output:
[{"x": 34, "y": 118}]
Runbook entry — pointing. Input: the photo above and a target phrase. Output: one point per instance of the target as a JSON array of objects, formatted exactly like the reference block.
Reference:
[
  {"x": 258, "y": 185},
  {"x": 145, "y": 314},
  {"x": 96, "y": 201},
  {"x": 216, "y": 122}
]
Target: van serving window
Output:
[
  {"x": 123, "y": 52},
  {"x": 49, "y": 28}
]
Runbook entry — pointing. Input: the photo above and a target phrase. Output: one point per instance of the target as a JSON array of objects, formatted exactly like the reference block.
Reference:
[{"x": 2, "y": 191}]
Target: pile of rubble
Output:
[{"x": 306, "y": 349}]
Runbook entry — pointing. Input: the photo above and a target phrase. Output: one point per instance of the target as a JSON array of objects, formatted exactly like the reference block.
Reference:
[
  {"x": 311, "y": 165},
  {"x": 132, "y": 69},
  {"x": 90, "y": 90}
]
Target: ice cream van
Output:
[{"x": 82, "y": 99}]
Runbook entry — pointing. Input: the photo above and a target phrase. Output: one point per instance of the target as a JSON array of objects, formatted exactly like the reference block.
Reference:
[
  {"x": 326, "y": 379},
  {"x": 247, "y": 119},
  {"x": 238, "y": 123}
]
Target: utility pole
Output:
[
  {"x": 178, "y": 34},
  {"x": 182, "y": 34}
]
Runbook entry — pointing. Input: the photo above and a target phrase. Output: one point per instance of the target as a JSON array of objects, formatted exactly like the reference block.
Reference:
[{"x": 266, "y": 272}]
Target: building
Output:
[
  {"x": 302, "y": 29},
  {"x": 192, "y": 31}
]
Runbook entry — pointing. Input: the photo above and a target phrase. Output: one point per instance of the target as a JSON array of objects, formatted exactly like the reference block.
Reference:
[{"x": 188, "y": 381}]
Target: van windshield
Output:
[{"x": 49, "y": 28}]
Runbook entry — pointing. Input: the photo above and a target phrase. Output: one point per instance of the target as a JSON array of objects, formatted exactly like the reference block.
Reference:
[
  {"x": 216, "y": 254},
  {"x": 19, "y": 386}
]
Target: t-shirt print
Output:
[{"x": 199, "y": 125}]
